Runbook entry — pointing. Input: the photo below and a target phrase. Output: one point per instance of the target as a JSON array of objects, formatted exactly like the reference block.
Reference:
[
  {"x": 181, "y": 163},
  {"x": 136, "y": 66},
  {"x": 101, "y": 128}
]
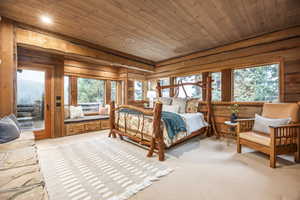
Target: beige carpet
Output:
[
  {"x": 209, "y": 169},
  {"x": 98, "y": 168}
]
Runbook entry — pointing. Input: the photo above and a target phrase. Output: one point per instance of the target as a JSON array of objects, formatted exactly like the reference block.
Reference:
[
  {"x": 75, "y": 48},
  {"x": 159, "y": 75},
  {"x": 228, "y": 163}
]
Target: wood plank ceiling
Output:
[{"x": 157, "y": 30}]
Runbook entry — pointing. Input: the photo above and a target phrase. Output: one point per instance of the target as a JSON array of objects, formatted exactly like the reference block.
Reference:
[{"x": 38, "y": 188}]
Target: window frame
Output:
[{"x": 201, "y": 88}]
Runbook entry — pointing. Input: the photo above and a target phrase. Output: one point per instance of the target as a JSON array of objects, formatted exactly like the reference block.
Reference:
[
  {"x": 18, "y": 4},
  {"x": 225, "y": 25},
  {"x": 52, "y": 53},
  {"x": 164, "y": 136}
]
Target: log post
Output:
[
  {"x": 112, "y": 120},
  {"x": 158, "y": 89},
  {"x": 157, "y": 137}
]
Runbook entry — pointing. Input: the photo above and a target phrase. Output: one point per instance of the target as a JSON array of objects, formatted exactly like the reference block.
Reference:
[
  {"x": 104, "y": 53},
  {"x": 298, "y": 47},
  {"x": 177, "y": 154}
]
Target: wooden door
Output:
[{"x": 34, "y": 99}]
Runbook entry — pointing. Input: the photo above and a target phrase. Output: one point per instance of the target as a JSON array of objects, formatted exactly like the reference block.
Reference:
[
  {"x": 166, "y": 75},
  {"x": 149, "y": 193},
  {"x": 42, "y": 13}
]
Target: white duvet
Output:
[{"x": 193, "y": 121}]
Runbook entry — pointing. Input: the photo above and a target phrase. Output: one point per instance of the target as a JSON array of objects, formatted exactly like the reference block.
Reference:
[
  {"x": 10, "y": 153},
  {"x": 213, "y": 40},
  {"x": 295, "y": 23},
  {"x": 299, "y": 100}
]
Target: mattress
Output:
[{"x": 142, "y": 126}]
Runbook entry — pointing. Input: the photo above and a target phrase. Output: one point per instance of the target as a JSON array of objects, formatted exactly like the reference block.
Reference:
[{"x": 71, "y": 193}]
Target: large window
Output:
[
  {"x": 113, "y": 90},
  {"x": 91, "y": 93},
  {"x": 165, "y": 92},
  {"x": 216, "y": 86},
  {"x": 66, "y": 90},
  {"x": 138, "y": 90},
  {"x": 191, "y": 90},
  {"x": 257, "y": 83}
]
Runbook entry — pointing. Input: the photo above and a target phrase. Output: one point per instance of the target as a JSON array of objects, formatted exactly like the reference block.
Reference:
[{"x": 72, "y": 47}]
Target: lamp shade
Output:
[{"x": 151, "y": 94}]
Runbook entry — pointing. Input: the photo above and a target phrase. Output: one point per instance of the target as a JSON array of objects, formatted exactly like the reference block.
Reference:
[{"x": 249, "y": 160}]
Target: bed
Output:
[{"x": 172, "y": 121}]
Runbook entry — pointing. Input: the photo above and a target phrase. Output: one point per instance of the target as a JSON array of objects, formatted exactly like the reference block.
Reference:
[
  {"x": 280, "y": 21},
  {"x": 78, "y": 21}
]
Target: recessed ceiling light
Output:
[{"x": 46, "y": 19}]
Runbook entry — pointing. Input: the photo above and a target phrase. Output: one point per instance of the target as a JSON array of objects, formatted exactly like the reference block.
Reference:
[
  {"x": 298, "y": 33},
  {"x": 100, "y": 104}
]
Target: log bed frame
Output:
[{"x": 157, "y": 142}]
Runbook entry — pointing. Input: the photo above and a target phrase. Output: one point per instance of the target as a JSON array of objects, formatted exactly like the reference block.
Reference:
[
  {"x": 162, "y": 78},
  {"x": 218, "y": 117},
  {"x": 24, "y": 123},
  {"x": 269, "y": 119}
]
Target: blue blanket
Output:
[{"x": 174, "y": 122}]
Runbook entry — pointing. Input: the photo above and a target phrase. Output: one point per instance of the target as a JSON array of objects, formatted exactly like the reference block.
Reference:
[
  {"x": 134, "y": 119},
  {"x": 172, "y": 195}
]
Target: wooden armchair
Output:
[{"x": 281, "y": 140}]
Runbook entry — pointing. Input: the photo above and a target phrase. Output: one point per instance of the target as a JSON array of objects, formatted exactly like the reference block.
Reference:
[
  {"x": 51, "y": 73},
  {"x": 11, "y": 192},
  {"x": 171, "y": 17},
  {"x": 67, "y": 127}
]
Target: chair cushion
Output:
[
  {"x": 255, "y": 137},
  {"x": 281, "y": 110}
]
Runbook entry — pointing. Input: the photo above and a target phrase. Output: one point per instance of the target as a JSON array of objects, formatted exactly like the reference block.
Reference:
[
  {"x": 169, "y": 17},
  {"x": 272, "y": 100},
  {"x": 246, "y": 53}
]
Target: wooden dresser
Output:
[{"x": 86, "y": 124}]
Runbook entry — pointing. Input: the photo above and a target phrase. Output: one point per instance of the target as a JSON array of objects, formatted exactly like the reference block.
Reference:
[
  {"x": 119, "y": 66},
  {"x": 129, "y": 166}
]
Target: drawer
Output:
[
  {"x": 92, "y": 126},
  {"x": 105, "y": 124},
  {"x": 72, "y": 129}
]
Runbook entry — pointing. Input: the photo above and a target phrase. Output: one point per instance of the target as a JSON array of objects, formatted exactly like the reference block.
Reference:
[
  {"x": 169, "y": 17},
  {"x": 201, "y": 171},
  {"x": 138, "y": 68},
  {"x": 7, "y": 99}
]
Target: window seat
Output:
[{"x": 86, "y": 124}]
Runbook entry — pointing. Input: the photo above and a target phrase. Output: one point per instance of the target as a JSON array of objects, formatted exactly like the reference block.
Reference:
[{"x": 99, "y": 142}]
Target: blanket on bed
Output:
[{"x": 174, "y": 123}]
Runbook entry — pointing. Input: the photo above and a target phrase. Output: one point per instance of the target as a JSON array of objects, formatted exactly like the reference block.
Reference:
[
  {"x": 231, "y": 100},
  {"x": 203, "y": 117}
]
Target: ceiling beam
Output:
[{"x": 38, "y": 41}]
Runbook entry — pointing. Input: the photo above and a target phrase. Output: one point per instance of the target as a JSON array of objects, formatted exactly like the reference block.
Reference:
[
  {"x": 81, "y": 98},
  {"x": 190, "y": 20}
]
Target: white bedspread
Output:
[{"x": 193, "y": 121}]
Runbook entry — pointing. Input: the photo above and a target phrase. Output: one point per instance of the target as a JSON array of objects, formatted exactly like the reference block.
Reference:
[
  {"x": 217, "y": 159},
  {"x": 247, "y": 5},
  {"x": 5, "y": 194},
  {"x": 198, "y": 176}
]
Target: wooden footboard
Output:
[{"x": 157, "y": 138}]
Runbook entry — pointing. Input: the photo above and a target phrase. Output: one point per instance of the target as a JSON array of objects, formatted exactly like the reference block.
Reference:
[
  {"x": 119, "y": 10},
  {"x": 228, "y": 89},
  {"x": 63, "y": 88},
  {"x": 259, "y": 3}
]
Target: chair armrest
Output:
[
  {"x": 285, "y": 134},
  {"x": 244, "y": 125},
  {"x": 287, "y": 126}
]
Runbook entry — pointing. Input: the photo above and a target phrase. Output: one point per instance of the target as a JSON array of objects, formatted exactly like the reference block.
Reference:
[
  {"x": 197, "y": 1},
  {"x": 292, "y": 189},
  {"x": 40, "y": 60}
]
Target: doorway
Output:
[{"x": 34, "y": 100}]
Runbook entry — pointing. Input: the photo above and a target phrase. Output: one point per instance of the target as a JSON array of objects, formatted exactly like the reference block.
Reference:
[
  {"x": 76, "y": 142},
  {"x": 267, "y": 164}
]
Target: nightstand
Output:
[{"x": 232, "y": 128}]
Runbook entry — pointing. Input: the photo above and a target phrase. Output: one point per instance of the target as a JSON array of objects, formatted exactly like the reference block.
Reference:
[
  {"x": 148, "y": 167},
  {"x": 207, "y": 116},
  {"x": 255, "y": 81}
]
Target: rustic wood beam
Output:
[
  {"x": 42, "y": 42},
  {"x": 226, "y": 85},
  {"x": 7, "y": 69}
]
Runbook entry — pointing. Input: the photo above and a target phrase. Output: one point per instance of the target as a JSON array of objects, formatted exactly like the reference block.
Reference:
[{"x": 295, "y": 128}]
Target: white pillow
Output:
[
  {"x": 261, "y": 124},
  {"x": 181, "y": 103},
  {"x": 165, "y": 100},
  {"x": 76, "y": 112},
  {"x": 171, "y": 108}
]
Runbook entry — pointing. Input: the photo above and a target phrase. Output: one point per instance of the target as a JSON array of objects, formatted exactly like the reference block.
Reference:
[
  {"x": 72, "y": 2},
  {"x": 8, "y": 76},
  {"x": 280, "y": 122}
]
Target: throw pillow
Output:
[
  {"x": 165, "y": 100},
  {"x": 14, "y": 118},
  {"x": 171, "y": 108},
  {"x": 103, "y": 111},
  {"x": 261, "y": 124},
  {"x": 181, "y": 103},
  {"x": 8, "y": 130},
  {"x": 76, "y": 112}
]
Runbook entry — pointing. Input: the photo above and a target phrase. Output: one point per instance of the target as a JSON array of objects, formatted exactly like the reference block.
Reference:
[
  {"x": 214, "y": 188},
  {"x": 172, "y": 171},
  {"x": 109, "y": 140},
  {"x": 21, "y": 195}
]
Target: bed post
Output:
[
  {"x": 157, "y": 138},
  {"x": 158, "y": 88},
  {"x": 112, "y": 119},
  {"x": 208, "y": 103}
]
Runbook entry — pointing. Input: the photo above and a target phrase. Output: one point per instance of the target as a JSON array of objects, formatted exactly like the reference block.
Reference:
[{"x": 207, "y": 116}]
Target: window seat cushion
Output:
[{"x": 87, "y": 118}]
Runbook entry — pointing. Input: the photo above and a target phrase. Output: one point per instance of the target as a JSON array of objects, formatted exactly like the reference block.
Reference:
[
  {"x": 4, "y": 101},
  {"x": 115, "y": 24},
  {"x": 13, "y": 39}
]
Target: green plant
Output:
[{"x": 234, "y": 109}]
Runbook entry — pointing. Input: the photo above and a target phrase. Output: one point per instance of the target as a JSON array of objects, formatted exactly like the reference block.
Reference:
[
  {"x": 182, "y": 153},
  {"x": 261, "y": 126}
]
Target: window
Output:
[
  {"x": 66, "y": 90},
  {"x": 91, "y": 94},
  {"x": 165, "y": 92},
  {"x": 216, "y": 86},
  {"x": 257, "y": 83},
  {"x": 138, "y": 90},
  {"x": 191, "y": 90},
  {"x": 113, "y": 90}
]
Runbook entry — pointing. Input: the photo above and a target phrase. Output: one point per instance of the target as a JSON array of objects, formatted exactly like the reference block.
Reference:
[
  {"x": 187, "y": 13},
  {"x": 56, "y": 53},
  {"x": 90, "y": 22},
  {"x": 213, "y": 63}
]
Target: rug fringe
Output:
[{"x": 133, "y": 189}]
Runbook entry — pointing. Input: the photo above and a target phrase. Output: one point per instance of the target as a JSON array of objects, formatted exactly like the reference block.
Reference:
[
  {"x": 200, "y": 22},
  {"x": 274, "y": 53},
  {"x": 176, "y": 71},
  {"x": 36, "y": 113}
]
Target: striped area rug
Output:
[{"x": 101, "y": 168}]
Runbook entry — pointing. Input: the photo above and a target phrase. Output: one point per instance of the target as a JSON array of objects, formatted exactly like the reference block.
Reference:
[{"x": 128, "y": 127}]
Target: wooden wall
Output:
[
  {"x": 282, "y": 46},
  {"x": 7, "y": 68}
]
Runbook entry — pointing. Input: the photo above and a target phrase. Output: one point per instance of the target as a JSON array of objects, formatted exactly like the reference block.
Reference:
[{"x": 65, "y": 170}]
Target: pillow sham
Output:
[
  {"x": 181, "y": 103},
  {"x": 165, "y": 100},
  {"x": 76, "y": 112},
  {"x": 192, "y": 106},
  {"x": 8, "y": 130},
  {"x": 103, "y": 110},
  {"x": 171, "y": 108},
  {"x": 261, "y": 124}
]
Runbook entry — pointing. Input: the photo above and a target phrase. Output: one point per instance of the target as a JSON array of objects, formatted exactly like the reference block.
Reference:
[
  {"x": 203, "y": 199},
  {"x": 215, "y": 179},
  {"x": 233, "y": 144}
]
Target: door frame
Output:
[{"x": 48, "y": 132}]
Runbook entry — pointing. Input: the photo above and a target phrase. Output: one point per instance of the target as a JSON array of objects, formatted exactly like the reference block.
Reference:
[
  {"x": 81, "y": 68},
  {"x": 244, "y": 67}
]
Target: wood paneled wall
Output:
[
  {"x": 7, "y": 68},
  {"x": 282, "y": 46}
]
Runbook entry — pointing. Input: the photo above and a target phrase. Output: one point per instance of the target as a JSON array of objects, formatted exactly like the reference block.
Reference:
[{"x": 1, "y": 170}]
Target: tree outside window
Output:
[
  {"x": 216, "y": 86},
  {"x": 113, "y": 90},
  {"x": 259, "y": 83},
  {"x": 191, "y": 90},
  {"x": 165, "y": 92},
  {"x": 66, "y": 90},
  {"x": 138, "y": 90},
  {"x": 91, "y": 94}
]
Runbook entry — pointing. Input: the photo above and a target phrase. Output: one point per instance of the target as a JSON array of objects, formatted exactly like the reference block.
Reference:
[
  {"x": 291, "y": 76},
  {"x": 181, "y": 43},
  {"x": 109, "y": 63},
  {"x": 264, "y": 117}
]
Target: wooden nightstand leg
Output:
[{"x": 238, "y": 145}]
